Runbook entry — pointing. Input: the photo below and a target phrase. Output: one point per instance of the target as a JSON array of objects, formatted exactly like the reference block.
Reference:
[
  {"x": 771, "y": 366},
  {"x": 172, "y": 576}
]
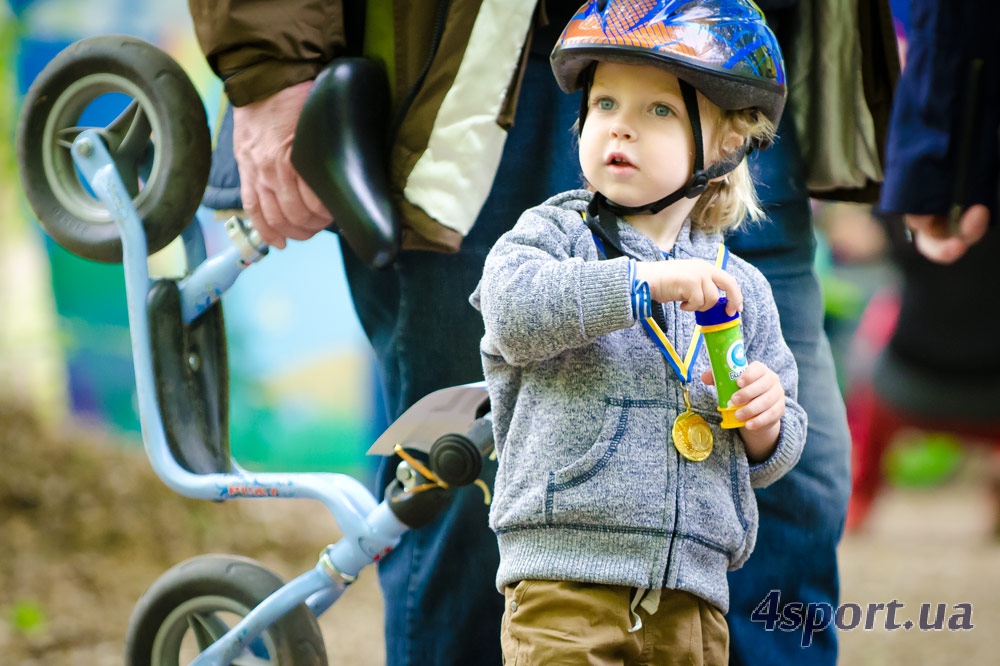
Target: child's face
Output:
[{"x": 636, "y": 145}]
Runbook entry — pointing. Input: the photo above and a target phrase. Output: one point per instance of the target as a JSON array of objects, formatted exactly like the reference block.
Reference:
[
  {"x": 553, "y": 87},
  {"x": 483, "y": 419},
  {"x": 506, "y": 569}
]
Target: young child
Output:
[{"x": 615, "y": 537}]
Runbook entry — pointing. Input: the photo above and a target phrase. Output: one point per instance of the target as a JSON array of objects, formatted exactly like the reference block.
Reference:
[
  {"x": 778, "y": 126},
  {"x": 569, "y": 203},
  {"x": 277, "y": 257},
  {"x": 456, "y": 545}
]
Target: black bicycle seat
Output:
[{"x": 339, "y": 150}]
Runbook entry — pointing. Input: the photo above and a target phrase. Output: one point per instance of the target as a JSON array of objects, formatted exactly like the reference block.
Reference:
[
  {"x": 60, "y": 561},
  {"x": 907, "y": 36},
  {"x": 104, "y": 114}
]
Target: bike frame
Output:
[{"x": 370, "y": 529}]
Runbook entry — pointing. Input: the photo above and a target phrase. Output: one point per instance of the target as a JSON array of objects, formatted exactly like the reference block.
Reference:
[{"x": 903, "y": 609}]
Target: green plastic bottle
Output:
[{"x": 726, "y": 353}]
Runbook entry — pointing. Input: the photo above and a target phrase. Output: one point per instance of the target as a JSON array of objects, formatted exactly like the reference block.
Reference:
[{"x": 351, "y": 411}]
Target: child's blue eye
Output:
[
  {"x": 662, "y": 110},
  {"x": 605, "y": 104}
]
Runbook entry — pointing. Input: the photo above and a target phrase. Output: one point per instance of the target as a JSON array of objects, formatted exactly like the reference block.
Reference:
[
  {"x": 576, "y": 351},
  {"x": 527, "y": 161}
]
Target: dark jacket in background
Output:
[
  {"x": 930, "y": 117},
  {"x": 942, "y": 359}
]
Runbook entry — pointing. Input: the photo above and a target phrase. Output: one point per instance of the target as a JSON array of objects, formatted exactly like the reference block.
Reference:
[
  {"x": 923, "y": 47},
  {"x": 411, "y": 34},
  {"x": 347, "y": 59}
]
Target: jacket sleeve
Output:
[
  {"x": 928, "y": 117},
  {"x": 538, "y": 300},
  {"x": 258, "y": 47},
  {"x": 765, "y": 343}
]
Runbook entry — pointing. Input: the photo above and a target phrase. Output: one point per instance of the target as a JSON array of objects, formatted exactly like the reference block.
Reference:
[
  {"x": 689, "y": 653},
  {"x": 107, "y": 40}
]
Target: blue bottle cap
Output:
[{"x": 715, "y": 315}]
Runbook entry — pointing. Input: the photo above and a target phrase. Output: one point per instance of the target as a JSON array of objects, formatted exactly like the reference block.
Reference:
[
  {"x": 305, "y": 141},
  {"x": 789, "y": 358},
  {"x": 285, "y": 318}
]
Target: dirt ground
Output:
[{"x": 85, "y": 526}]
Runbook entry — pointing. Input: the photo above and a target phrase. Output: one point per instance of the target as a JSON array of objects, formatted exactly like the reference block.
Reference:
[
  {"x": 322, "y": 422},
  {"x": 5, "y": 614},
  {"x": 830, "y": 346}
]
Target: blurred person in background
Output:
[
  {"x": 937, "y": 371},
  {"x": 942, "y": 156}
]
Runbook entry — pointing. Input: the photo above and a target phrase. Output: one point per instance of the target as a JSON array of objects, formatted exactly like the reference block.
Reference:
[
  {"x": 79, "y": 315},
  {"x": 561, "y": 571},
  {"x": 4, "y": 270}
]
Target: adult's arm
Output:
[
  {"x": 258, "y": 47},
  {"x": 267, "y": 53},
  {"x": 928, "y": 126}
]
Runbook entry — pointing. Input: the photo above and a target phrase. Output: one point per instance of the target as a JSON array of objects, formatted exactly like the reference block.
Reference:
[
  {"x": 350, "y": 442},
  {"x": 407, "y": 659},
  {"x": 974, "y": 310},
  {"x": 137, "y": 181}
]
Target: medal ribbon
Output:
[
  {"x": 682, "y": 367},
  {"x": 605, "y": 233}
]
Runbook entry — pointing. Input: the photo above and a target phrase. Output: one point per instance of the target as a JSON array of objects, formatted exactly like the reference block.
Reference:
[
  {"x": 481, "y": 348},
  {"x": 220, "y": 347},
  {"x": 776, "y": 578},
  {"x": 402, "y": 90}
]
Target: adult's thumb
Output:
[{"x": 974, "y": 223}]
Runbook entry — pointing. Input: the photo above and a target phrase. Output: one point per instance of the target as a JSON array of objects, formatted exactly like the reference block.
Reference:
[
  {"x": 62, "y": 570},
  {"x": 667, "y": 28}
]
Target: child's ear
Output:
[{"x": 732, "y": 142}]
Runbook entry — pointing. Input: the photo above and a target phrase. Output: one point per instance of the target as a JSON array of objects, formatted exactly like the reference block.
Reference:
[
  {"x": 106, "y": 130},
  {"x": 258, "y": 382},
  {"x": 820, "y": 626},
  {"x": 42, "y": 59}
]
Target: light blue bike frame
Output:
[{"x": 370, "y": 530}]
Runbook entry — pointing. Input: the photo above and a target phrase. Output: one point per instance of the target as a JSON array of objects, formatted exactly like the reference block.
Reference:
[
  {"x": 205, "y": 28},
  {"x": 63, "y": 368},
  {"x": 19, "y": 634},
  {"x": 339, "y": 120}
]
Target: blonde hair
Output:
[{"x": 728, "y": 202}]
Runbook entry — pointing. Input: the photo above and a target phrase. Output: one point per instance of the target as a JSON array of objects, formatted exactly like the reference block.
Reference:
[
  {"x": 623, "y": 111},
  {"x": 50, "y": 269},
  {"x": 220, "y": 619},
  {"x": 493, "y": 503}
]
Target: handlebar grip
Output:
[
  {"x": 481, "y": 434},
  {"x": 458, "y": 459}
]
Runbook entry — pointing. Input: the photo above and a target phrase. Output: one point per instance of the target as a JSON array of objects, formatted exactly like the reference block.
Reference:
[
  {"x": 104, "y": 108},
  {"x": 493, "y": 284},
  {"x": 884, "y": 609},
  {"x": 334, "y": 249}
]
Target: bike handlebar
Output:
[{"x": 458, "y": 459}]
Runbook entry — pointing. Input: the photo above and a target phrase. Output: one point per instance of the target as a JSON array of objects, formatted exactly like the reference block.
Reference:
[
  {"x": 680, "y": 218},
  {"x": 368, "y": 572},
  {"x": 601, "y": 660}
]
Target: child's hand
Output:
[
  {"x": 693, "y": 282},
  {"x": 762, "y": 404}
]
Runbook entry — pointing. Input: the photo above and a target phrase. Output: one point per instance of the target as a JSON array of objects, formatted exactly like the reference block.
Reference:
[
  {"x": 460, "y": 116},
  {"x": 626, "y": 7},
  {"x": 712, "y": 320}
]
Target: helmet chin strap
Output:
[{"x": 699, "y": 180}]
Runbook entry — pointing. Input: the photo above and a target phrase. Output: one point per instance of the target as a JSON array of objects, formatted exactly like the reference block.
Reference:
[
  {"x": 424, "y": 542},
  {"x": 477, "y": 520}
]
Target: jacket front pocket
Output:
[
  {"x": 716, "y": 510},
  {"x": 621, "y": 481}
]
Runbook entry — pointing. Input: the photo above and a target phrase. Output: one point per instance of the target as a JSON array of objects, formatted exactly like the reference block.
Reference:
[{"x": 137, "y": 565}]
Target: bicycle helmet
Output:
[{"x": 722, "y": 48}]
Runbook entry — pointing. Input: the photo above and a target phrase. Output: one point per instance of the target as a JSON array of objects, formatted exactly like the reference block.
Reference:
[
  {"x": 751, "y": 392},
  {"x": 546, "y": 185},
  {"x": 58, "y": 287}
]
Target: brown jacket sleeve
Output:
[{"x": 258, "y": 47}]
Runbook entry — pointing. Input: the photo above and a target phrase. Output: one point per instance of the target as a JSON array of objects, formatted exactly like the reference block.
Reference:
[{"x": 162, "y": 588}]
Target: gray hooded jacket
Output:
[{"x": 590, "y": 486}]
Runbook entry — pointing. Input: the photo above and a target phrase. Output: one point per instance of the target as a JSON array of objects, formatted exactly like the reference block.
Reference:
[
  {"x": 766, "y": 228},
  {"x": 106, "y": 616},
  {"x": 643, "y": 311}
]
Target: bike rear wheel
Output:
[{"x": 193, "y": 604}]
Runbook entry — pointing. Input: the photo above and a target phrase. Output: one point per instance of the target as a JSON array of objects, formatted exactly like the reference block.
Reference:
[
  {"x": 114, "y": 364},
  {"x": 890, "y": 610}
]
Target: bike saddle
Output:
[{"x": 339, "y": 150}]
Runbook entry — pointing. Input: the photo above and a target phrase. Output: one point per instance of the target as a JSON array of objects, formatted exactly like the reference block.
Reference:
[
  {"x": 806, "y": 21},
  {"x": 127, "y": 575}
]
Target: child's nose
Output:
[{"x": 620, "y": 130}]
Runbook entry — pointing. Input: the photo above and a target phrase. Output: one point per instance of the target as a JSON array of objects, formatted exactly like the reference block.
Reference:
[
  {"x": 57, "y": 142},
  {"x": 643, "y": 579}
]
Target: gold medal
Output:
[{"x": 691, "y": 434}]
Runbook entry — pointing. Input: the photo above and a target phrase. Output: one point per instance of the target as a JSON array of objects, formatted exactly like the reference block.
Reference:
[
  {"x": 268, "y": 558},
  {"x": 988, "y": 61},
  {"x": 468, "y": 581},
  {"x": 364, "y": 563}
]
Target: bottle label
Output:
[{"x": 736, "y": 359}]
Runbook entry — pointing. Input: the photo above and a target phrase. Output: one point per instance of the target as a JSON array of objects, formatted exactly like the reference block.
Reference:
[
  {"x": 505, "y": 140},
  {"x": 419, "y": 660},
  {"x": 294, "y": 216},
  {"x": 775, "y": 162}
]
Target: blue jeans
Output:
[
  {"x": 438, "y": 585},
  {"x": 802, "y": 514}
]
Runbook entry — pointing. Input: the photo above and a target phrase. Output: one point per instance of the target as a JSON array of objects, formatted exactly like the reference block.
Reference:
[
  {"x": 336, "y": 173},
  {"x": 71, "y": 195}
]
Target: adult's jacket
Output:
[
  {"x": 941, "y": 105},
  {"x": 454, "y": 68}
]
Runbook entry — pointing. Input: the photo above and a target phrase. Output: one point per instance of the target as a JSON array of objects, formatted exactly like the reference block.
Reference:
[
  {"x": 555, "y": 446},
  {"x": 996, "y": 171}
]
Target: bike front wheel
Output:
[
  {"x": 159, "y": 142},
  {"x": 193, "y": 604}
]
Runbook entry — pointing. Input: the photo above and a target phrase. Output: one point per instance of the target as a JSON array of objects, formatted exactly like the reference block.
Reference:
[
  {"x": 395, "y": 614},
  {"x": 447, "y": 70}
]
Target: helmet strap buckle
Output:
[{"x": 697, "y": 185}]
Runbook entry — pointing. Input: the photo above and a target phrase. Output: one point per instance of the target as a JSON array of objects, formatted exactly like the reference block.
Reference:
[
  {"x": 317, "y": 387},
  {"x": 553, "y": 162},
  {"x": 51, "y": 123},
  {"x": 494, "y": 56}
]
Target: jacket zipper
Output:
[
  {"x": 680, "y": 462},
  {"x": 602, "y": 251},
  {"x": 440, "y": 17}
]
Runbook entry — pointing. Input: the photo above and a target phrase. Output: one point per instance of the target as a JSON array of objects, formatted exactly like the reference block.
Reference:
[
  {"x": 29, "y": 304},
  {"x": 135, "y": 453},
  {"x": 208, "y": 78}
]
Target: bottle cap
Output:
[{"x": 715, "y": 315}]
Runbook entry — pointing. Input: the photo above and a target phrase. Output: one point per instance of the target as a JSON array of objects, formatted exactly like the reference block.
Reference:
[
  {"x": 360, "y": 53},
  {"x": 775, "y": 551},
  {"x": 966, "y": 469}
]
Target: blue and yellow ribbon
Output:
[{"x": 682, "y": 367}]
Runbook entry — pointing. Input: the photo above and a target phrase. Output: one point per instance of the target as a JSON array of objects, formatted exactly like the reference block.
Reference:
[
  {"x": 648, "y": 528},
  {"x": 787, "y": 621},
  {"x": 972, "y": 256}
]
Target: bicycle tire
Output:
[
  {"x": 194, "y": 592},
  {"x": 178, "y": 143}
]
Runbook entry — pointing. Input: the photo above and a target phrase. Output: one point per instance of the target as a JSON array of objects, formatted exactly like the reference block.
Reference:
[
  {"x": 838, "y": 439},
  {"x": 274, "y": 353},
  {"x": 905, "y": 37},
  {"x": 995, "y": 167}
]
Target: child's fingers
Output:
[
  {"x": 755, "y": 406},
  {"x": 750, "y": 382},
  {"x": 749, "y": 397},
  {"x": 704, "y": 295},
  {"x": 763, "y": 412},
  {"x": 761, "y": 391},
  {"x": 727, "y": 283},
  {"x": 696, "y": 298},
  {"x": 694, "y": 301},
  {"x": 754, "y": 372},
  {"x": 761, "y": 402},
  {"x": 708, "y": 378}
]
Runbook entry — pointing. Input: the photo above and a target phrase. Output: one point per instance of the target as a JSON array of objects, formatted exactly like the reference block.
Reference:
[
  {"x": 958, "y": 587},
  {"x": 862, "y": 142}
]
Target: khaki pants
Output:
[{"x": 559, "y": 623}]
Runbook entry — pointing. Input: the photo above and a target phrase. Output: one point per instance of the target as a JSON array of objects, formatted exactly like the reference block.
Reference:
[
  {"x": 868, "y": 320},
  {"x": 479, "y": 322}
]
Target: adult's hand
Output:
[
  {"x": 935, "y": 241},
  {"x": 276, "y": 199}
]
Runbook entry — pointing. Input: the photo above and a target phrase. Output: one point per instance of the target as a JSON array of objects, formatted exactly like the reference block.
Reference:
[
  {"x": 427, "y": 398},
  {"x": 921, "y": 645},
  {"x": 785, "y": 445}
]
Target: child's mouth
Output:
[{"x": 619, "y": 160}]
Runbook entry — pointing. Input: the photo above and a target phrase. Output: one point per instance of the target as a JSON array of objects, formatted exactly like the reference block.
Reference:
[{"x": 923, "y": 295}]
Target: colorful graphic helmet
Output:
[{"x": 721, "y": 47}]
